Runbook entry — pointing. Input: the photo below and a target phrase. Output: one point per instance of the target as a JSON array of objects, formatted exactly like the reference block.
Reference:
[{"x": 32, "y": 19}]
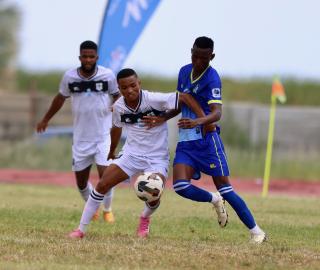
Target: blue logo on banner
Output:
[{"x": 123, "y": 23}]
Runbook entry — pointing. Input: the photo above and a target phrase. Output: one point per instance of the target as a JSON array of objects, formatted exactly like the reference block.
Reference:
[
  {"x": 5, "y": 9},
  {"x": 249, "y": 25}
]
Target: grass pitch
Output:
[{"x": 34, "y": 222}]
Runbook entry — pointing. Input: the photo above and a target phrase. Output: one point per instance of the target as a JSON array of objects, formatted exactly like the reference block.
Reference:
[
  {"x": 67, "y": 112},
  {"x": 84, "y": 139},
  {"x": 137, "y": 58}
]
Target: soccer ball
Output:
[{"x": 148, "y": 187}]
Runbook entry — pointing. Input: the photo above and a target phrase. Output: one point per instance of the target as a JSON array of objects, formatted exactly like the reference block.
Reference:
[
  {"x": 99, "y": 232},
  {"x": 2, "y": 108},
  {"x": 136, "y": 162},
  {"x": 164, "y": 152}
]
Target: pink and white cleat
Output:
[
  {"x": 143, "y": 229},
  {"x": 76, "y": 234}
]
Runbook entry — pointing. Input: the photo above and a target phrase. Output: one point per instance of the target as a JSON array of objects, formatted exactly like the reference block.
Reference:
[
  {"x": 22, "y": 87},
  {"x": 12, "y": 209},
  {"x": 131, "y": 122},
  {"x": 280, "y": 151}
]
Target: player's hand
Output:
[
  {"x": 42, "y": 126},
  {"x": 152, "y": 121},
  {"x": 187, "y": 123}
]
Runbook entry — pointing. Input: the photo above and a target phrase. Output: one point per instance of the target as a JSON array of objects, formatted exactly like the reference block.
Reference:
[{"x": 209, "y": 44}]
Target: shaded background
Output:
[{"x": 253, "y": 42}]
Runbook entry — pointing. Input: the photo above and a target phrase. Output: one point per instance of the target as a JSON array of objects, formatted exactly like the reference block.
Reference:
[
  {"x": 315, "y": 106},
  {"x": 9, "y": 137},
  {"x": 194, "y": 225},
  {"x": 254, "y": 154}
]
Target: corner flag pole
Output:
[
  {"x": 267, "y": 167},
  {"x": 277, "y": 93}
]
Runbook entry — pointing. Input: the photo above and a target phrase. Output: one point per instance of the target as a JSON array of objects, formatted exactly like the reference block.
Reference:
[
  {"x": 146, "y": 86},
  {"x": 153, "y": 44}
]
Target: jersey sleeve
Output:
[
  {"x": 112, "y": 85},
  {"x": 64, "y": 87},
  {"x": 179, "y": 83},
  {"x": 214, "y": 93},
  {"x": 163, "y": 101},
  {"x": 116, "y": 118}
]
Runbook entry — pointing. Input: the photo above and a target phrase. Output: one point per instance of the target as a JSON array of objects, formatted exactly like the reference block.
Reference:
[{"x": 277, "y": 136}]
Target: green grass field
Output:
[{"x": 34, "y": 221}]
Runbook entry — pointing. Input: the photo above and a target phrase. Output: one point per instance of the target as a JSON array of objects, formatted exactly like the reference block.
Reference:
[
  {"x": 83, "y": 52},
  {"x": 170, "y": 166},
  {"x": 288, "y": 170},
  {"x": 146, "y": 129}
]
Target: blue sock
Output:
[
  {"x": 238, "y": 205},
  {"x": 191, "y": 192}
]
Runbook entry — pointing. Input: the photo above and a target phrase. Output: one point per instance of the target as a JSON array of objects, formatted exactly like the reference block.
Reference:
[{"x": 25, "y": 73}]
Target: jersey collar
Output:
[
  {"x": 138, "y": 106},
  {"x": 199, "y": 76},
  {"x": 89, "y": 78}
]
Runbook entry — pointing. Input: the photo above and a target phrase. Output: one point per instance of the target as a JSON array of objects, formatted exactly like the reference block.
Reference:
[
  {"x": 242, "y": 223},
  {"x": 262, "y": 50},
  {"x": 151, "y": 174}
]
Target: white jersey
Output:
[
  {"x": 91, "y": 100},
  {"x": 141, "y": 141}
]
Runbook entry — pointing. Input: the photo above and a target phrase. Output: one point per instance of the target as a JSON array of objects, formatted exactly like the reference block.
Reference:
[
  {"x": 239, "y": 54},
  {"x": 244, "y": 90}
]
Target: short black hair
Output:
[
  {"x": 204, "y": 43},
  {"x": 126, "y": 72},
  {"x": 88, "y": 44}
]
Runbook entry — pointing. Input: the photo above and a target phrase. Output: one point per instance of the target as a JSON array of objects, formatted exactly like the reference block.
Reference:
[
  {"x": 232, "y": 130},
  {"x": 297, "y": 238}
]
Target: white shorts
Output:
[
  {"x": 132, "y": 164},
  {"x": 85, "y": 154}
]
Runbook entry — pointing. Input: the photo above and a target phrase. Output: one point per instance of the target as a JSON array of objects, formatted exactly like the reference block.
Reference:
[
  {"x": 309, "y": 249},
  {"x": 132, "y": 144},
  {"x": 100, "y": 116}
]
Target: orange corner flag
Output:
[{"x": 278, "y": 90}]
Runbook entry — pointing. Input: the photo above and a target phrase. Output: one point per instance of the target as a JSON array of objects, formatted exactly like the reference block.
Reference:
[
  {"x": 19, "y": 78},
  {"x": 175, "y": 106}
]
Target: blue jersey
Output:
[
  {"x": 206, "y": 89},
  {"x": 203, "y": 153}
]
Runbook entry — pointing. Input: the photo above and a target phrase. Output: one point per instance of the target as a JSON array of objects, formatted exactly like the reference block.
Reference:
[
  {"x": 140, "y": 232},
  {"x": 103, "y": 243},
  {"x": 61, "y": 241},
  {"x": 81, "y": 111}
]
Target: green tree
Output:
[{"x": 9, "y": 22}]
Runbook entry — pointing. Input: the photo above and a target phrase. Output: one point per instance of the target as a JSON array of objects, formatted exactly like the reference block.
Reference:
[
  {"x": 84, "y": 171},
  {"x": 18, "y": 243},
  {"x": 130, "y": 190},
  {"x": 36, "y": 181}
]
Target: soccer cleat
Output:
[
  {"x": 108, "y": 216},
  {"x": 143, "y": 229},
  {"x": 96, "y": 216},
  {"x": 258, "y": 238},
  {"x": 221, "y": 211},
  {"x": 76, "y": 234}
]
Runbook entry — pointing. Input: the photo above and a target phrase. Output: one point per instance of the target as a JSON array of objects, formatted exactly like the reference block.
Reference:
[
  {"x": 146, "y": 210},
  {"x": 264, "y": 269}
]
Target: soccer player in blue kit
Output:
[{"x": 199, "y": 151}]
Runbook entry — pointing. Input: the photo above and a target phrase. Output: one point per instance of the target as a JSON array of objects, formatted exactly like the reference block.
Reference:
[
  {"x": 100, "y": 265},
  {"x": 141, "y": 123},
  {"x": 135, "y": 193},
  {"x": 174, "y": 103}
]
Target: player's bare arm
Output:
[
  {"x": 187, "y": 99},
  {"x": 215, "y": 115},
  {"x": 208, "y": 121},
  {"x": 186, "y": 123},
  {"x": 202, "y": 119},
  {"x": 115, "y": 134},
  {"x": 55, "y": 106},
  {"x": 151, "y": 120}
]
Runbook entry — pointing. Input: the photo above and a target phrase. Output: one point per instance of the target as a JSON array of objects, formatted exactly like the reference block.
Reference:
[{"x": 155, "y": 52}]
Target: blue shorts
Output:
[{"x": 206, "y": 155}]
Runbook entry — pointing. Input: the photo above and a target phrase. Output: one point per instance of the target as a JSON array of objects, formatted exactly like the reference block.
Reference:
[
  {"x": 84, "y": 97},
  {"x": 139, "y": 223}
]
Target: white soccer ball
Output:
[{"x": 148, "y": 187}]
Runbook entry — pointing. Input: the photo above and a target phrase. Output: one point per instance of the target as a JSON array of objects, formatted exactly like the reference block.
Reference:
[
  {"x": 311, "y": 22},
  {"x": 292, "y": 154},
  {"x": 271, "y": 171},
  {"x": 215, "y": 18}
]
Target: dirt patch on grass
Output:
[{"x": 277, "y": 186}]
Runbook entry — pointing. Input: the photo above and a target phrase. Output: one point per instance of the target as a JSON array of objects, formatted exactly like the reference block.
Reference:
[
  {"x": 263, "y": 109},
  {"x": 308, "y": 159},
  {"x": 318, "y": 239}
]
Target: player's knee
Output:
[{"x": 102, "y": 187}]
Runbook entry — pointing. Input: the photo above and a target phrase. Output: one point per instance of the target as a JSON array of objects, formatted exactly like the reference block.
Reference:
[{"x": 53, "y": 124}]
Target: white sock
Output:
[
  {"x": 90, "y": 208},
  {"x": 215, "y": 197},
  {"x": 149, "y": 210},
  {"x": 107, "y": 201},
  {"x": 256, "y": 230},
  {"x": 86, "y": 191}
]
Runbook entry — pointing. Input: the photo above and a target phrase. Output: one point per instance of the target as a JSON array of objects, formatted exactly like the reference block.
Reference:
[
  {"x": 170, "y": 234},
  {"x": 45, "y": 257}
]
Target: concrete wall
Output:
[{"x": 297, "y": 128}]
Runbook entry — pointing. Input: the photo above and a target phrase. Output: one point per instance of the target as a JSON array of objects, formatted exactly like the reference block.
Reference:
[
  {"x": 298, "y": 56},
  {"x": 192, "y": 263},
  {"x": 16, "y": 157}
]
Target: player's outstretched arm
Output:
[
  {"x": 205, "y": 120},
  {"x": 151, "y": 120},
  {"x": 55, "y": 106},
  {"x": 115, "y": 135}
]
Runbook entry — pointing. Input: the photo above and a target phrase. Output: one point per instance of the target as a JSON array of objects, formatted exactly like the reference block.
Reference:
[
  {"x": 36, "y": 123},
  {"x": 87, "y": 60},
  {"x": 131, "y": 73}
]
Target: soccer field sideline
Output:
[{"x": 277, "y": 186}]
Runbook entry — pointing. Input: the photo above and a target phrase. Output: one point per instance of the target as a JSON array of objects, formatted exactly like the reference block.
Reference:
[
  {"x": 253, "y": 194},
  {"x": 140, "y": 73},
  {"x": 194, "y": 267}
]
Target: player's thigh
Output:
[
  {"x": 112, "y": 176},
  {"x": 184, "y": 165},
  {"x": 182, "y": 171},
  {"x": 100, "y": 170}
]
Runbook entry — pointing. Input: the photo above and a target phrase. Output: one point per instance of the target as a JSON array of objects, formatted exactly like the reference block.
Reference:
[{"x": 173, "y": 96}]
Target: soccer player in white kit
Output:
[
  {"x": 93, "y": 89},
  {"x": 145, "y": 150}
]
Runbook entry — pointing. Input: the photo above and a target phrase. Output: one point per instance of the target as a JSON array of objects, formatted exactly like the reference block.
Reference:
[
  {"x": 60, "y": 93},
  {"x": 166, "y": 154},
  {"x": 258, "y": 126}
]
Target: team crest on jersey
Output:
[
  {"x": 88, "y": 92},
  {"x": 195, "y": 89},
  {"x": 216, "y": 92},
  {"x": 99, "y": 86}
]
